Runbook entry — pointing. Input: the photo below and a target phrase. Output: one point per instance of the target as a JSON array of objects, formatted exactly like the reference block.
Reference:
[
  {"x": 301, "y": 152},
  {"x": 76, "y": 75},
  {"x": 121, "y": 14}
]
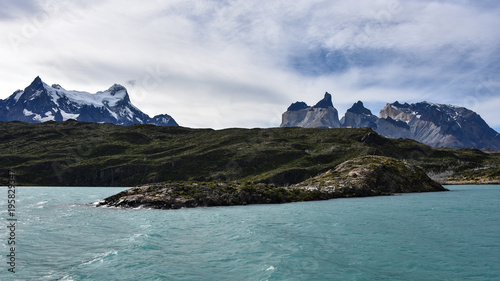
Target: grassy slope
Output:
[{"x": 85, "y": 154}]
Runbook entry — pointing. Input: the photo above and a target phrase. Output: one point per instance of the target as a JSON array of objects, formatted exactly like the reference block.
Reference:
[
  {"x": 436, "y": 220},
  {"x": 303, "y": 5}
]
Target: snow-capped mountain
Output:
[{"x": 40, "y": 102}]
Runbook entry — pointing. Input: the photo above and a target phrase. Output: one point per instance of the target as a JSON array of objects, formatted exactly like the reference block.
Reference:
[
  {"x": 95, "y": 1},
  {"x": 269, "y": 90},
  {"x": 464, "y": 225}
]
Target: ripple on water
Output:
[{"x": 450, "y": 235}]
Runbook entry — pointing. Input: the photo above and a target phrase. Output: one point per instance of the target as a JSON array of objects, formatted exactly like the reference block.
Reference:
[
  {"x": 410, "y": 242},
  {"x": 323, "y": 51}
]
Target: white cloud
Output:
[{"x": 228, "y": 64}]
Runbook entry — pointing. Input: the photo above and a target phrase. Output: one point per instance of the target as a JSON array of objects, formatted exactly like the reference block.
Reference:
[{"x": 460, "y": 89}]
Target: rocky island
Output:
[{"x": 358, "y": 177}]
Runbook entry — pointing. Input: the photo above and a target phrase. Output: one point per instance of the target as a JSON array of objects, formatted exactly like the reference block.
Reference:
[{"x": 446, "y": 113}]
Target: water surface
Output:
[{"x": 426, "y": 236}]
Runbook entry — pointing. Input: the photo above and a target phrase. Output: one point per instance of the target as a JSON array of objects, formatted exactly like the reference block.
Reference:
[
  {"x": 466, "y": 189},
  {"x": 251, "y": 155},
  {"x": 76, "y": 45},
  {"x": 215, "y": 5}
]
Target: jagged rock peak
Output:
[
  {"x": 359, "y": 108},
  {"x": 37, "y": 82},
  {"x": 297, "y": 106},
  {"x": 325, "y": 102},
  {"x": 116, "y": 88},
  {"x": 398, "y": 104},
  {"x": 322, "y": 115}
]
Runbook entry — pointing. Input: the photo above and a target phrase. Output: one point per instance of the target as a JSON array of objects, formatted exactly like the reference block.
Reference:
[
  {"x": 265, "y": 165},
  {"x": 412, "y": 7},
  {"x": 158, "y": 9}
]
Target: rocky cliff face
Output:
[
  {"x": 442, "y": 125},
  {"x": 359, "y": 116},
  {"x": 436, "y": 125},
  {"x": 322, "y": 115}
]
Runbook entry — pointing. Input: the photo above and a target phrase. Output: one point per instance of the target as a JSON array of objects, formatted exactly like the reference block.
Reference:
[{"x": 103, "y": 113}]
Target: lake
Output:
[{"x": 59, "y": 235}]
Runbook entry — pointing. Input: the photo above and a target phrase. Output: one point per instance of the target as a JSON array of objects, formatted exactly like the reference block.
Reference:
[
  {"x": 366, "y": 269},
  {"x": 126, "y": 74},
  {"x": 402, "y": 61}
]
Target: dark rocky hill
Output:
[{"x": 72, "y": 153}]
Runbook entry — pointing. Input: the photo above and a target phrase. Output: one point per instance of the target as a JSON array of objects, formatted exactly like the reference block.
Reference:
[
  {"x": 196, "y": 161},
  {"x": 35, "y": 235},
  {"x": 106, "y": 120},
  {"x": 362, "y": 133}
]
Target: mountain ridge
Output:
[
  {"x": 437, "y": 125},
  {"x": 40, "y": 102}
]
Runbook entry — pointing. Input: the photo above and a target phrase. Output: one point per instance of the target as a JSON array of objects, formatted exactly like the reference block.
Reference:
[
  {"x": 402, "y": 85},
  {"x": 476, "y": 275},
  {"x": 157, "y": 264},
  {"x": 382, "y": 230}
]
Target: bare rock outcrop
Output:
[
  {"x": 437, "y": 125},
  {"x": 322, "y": 115}
]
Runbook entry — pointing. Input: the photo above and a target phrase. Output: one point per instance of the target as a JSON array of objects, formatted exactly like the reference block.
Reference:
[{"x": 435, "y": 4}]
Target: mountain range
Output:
[
  {"x": 40, "y": 102},
  {"x": 437, "y": 125}
]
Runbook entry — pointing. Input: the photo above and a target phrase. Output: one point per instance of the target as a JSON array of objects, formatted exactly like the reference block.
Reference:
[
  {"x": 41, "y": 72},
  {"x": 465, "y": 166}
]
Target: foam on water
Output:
[{"x": 429, "y": 236}]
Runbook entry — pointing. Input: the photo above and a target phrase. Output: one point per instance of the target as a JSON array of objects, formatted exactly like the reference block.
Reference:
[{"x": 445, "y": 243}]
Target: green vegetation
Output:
[
  {"x": 85, "y": 154},
  {"x": 358, "y": 177},
  {"x": 373, "y": 175}
]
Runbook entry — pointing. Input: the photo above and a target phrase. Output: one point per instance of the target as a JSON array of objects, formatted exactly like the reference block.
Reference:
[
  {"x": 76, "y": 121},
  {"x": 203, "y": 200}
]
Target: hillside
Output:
[
  {"x": 72, "y": 153},
  {"x": 358, "y": 177}
]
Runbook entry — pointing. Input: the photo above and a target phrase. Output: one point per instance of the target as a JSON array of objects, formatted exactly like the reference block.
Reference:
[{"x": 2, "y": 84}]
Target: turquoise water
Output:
[{"x": 430, "y": 236}]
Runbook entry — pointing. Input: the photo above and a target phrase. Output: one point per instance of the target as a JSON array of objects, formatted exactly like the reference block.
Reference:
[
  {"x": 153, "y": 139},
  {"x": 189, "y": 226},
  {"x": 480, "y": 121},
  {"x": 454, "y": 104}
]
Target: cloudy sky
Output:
[{"x": 219, "y": 64}]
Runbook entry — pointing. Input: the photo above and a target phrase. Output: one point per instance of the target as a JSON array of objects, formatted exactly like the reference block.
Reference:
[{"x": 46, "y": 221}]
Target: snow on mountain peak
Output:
[
  {"x": 100, "y": 99},
  {"x": 40, "y": 102},
  {"x": 116, "y": 88},
  {"x": 18, "y": 94}
]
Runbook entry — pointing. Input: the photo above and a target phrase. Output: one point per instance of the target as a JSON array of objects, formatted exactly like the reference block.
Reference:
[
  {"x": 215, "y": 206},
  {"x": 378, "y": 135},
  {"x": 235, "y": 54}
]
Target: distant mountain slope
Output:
[
  {"x": 359, "y": 116},
  {"x": 442, "y": 125},
  {"x": 437, "y": 125},
  {"x": 40, "y": 102}
]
